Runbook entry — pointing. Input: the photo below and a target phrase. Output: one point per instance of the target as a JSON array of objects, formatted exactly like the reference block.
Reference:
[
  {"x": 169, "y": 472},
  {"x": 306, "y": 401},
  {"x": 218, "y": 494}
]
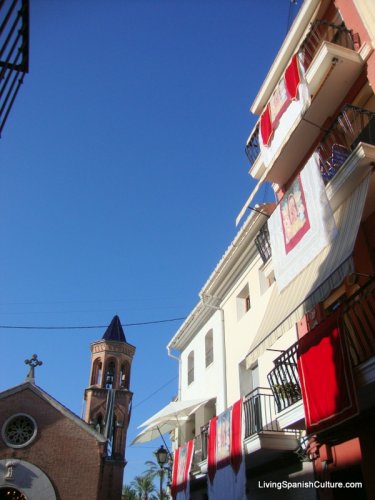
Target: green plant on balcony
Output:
[{"x": 287, "y": 390}]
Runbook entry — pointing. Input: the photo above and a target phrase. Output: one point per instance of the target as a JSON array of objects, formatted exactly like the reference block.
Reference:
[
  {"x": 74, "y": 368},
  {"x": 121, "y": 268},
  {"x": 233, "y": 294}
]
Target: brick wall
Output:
[{"x": 68, "y": 454}]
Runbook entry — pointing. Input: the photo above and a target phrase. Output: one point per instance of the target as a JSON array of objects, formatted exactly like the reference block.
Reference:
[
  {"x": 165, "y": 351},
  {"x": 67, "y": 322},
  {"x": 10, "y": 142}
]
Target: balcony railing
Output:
[
  {"x": 283, "y": 379},
  {"x": 358, "y": 323},
  {"x": 321, "y": 31},
  {"x": 353, "y": 125},
  {"x": 263, "y": 244},
  {"x": 324, "y": 31},
  {"x": 260, "y": 413},
  {"x": 252, "y": 148},
  {"x": 14, "y": 52}
]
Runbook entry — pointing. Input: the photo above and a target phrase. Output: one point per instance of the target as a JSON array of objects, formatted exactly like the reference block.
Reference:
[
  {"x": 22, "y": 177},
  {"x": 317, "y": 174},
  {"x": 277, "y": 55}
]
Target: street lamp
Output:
[{"x": 161, "y": 455}]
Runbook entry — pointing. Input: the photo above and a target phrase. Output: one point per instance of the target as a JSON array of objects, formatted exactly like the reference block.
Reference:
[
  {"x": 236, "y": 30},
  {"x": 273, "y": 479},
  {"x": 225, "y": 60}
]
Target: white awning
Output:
[
  {"x": 175, "y": 411},
  {"x": 316, "y": 281},
  {"x": 153, "y": 432}
]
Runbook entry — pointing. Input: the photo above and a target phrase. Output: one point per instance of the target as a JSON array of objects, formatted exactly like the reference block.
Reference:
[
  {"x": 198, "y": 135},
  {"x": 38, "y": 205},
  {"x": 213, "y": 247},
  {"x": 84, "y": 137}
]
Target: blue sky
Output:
[{"x": 122, "y": 170}]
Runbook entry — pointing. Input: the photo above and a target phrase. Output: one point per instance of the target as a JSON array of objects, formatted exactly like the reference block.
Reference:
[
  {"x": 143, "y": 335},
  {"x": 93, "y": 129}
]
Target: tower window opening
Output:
[
  {"x": 96, "y": 378},
  {"x": 110, "y": 375},
  {"x": 125, "y": 375}
]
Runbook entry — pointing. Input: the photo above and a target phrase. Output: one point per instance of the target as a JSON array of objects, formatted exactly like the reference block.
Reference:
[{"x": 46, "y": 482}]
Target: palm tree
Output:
[
  {"x": 154, "y": 471},
  {"x": 143, "y": 486},
  {"x": 128, "y": 493}
]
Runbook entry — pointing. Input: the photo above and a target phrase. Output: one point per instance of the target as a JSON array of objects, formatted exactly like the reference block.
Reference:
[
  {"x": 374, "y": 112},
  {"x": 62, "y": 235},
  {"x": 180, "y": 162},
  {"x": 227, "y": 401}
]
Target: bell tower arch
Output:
[{"x": 108, "y": 396}]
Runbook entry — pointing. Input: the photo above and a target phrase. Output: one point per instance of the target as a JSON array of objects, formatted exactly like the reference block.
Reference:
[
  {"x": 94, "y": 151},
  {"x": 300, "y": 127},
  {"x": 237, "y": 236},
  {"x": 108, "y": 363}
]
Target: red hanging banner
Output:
[
  {"x": 285, "y": 91},
  {"x": 326, "y": 377},
  {"x": 181, "y": 467},
  {"x": 225, "y": 440}
]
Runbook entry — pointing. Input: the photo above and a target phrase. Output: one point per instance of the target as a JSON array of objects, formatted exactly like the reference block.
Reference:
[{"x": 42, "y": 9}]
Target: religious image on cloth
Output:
[
  {"x": 323, "y": 362},
  {"x": 294, "y": 215},
  {"x": 226, "y": 464},
  {"x": 285, "y": 92},
  {"x": 301, "y": 225},
  {"x": 284, "y": 109},
  {"x": 183, "y": 457}
]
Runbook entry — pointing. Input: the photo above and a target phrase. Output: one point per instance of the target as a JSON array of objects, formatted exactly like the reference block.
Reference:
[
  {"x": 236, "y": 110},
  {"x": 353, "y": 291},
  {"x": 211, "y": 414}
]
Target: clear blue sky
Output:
[{"x": 122, "y": 170}]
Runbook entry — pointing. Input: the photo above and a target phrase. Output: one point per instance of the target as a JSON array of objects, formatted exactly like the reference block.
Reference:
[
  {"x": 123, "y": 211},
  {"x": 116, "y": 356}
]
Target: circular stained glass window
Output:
[{"x": 19, "y": 430}]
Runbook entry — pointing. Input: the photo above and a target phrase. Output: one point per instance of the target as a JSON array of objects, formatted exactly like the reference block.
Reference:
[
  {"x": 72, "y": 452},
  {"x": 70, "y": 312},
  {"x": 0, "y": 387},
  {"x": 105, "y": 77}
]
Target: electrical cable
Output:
[
  {"x": 155, "y": 392},
  {"x": 86, "y": 327}
]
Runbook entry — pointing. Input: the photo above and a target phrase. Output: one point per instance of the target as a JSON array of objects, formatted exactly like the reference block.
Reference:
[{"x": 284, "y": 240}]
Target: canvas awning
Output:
[
  {"x": 153, "y": 432},
  {"x": 316, "y": 281},
  {"x": 175, "y": 411}
]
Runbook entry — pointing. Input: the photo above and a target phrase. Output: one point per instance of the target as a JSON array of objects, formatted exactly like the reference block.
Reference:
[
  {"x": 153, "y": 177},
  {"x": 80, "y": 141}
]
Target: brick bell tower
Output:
[{"x": 108, "y": 399}]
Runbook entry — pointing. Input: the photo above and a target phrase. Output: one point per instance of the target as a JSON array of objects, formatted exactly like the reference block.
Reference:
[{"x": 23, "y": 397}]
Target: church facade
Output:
[{"x": 47, "y": 452}]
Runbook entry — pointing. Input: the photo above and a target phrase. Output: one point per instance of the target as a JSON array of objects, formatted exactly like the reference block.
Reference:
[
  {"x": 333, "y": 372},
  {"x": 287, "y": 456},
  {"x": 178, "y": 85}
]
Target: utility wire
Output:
[
  {"x": 86, "y": 327},
  {"x": 155, "y": 392}
]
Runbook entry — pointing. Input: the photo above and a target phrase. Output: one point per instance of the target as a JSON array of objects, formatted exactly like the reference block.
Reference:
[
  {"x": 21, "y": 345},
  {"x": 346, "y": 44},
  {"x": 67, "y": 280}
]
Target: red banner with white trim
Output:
[
  {"x": 326, "y": 377},
  {"x": 181, "y": 468}
]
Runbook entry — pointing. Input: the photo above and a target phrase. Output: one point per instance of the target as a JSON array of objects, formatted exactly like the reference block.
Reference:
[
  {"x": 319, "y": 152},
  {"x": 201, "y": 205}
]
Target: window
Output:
[
  {"x": 110, "y": 375},
  {"x": 125, "y": 375},
  {"x": 96, "y": 372},
  {"x": 19, "y": 430},
  {"x": 209, "y": 347},
  {"x": 243, "y": 302},
  {"x": 191, "y": 368}
]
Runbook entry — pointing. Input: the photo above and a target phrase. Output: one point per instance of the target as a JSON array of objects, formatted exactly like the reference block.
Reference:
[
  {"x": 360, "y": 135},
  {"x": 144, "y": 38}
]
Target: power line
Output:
[
  {"x": 155, "y": 392},
  {"x": 86, "y": 327}
]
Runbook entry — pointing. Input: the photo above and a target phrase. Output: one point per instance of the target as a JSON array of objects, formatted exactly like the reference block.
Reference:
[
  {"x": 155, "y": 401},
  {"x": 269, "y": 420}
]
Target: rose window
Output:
[{"x": 19, "y": 430}]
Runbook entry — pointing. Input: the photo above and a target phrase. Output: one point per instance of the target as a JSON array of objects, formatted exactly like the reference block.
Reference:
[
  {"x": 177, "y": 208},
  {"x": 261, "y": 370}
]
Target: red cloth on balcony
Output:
[
  {"x": 266, "y": 129},
  {"x": 225, "y": 440},
  {"x": 236, "y": 436},
  {"x": 292, "y": 78},
  {"x": 211, "y": 449},
  {"x": 181, "y": 468},
  {"x": 326, "y": 377},
  {"x": 285, "y": 91},
  {"x": 226, "y": 465}
]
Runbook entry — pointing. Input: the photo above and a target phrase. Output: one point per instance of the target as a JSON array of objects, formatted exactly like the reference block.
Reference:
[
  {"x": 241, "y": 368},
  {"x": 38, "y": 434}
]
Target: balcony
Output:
[
  {"x": 263, "y": 244},
  {"x": 14, "y": 53},
  {"x": 264, "y": 437},
  {"x": 332, "y": 66},
  {"x": 358, "y": 323},
  {"x": 201, "y": 442},
  {"x": 350, "y": 141},
  {"x": 283, "y": 379},
  {"x": 323, "y": 30}
]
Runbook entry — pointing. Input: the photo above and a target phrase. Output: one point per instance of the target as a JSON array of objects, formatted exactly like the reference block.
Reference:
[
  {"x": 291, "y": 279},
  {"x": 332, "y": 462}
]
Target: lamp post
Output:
[{"x": 161, "y": 455}]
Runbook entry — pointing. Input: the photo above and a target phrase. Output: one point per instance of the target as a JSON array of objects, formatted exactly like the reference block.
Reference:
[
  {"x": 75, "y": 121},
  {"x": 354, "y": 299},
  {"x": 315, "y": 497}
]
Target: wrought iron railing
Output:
[
  {"x": 320, "y": 31},
  {"x": 283, "y": 379},
  {"x": 14, "y": 52},
  {"x": 263, "y": 244},
  {"x": 260, "y": 413},
  {"x": 324, "y": 31},
  {"x": 200, "y": 445},
  {"x": 252, "y": 148},
  {"x": 352, "y": 126},
  {"x": 359, "y": 323}
]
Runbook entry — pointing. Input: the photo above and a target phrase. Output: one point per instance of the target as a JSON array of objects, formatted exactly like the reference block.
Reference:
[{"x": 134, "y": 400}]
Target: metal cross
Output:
[{"x": 33, "y": 362}]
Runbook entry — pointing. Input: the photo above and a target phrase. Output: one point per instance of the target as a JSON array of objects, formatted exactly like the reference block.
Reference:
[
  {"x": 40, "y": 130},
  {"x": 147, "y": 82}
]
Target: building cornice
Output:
[
  {"x": 293, "y": 39},
  {"x": 112, "y": 346},
  {"x": 240, "y": 253}
]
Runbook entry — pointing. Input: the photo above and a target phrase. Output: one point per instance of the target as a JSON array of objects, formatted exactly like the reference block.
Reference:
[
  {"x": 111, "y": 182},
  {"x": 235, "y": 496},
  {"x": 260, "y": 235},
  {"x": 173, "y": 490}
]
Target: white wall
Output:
[
  {"x": 240, "y": 331},
  {"x": 208, "y": 381}
]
